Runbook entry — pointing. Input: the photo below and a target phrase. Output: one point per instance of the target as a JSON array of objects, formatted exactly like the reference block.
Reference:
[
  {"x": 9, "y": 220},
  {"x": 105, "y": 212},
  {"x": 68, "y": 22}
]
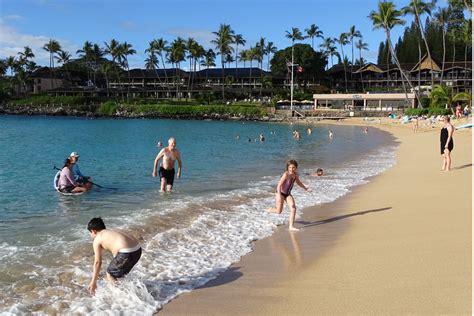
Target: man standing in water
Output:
[
  {"x": 169, "y": 154},
  {"x": 125, "y": 249}
]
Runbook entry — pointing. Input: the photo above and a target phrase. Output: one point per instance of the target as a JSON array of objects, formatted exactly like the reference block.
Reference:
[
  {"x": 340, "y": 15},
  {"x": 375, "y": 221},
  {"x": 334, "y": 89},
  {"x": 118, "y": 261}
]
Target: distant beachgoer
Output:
[
  {"x": 283, "y": 192},
  {"x": 458, "y": 112},
  {"x": 237, "y": 137},
  {"x": 415, "y": 125},
  {"x": 78, "y": 176},
  {"x": 262, "y": 138},
  {"x": 319, "y": 172},
  {"x": 169, "y": 154},
  {"x": 66, "y": 182},
  {"x": 159, "y": 144},
  {"x": 331, "y": 134},
  {"x": 466, "y": 111},
  {"x": 446, "y": 143},
  {"x": 125, "y": 249},
  {"x": 309, "y": 131},
  {"x": 366, "y": 130},
  {"x": 296, "y": 134},
  {"x": 249, "y": 140}
]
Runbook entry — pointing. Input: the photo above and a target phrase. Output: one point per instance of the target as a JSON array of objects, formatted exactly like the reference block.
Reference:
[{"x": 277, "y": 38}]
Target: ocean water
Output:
[{"x": 189, "y": 236}]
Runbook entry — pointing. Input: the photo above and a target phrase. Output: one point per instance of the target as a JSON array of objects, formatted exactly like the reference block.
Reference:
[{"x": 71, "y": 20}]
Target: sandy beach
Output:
[{"x": 400, "y": 244}]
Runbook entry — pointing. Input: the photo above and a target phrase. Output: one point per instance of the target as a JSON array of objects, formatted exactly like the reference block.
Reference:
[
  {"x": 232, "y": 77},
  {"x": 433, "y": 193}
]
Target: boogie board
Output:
[
  {"x": 56, "y": 187},
  {"x": 469, "y": 125}
]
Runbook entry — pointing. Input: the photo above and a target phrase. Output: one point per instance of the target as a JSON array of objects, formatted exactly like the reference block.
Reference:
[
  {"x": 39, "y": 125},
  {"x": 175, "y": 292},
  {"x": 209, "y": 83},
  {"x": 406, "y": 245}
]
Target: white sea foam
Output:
[{"x": 213, "y": 232}]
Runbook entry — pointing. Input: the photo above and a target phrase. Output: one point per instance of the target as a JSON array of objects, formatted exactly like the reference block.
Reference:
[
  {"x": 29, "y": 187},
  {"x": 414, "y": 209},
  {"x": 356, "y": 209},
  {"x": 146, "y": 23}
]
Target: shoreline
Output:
[{"x": 330, "y": 266}]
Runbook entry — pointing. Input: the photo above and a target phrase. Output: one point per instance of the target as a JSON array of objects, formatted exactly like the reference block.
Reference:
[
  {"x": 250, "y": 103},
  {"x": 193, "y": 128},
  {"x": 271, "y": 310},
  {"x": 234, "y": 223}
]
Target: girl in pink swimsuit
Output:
[{"x": 289, "y": 177}]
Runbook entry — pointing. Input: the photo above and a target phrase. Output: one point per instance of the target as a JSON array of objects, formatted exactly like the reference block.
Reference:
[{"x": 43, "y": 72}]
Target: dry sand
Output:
[{"x": 400, "y": 244}]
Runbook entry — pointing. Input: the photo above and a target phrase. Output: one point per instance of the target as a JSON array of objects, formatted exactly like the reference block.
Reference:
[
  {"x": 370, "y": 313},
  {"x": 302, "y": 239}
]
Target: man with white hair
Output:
[
  {"x": 78, "y": 176},
  {"x": 169, "y": 154}
]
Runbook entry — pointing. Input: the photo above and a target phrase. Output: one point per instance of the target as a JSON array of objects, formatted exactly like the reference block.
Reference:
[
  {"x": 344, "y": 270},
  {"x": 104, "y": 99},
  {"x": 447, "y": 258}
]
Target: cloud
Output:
[
  {"x": 203, "y": 37},
  {"x": 128, "y": 26},
  {"x": 11, "y": 17},
  {"x": 12, "y": 42}
]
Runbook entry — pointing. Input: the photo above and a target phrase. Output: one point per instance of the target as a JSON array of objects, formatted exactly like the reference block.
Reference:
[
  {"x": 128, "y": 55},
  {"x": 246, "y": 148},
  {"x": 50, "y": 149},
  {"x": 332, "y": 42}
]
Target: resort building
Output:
[{"x": 383, "y": 78}]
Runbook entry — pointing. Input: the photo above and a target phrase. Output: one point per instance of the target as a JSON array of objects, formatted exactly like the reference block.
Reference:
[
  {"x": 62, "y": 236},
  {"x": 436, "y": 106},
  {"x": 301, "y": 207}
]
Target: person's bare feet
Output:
[{"x": 293, "y": 229}]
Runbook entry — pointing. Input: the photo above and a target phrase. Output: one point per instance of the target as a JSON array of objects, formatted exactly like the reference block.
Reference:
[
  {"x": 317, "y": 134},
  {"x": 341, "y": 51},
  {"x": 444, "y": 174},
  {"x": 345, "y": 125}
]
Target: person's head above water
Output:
[
  {"x": 291, "y": 165},
  {"x": 96, "y": 224},
  {"x": 319, "y": 172}
]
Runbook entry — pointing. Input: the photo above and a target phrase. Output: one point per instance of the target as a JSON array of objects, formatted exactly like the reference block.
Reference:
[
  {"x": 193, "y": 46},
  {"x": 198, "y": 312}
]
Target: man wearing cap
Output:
[{"x": 78, "y": 176}]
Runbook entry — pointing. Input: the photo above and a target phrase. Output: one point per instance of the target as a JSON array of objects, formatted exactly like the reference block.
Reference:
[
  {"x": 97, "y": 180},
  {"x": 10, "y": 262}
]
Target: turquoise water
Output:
[{"x": 226, "y": 184}]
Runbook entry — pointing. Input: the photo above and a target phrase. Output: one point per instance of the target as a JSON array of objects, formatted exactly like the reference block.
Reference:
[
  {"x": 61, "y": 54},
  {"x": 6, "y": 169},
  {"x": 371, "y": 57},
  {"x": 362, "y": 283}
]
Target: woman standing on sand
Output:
[
  {"x": 289, "y": 177},
  {"x": 446, "y": 143}
]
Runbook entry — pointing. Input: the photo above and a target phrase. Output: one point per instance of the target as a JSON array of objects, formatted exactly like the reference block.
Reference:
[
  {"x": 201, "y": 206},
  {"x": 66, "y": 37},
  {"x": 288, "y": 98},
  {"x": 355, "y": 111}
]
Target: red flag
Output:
[{"x": 299, "y": 69}]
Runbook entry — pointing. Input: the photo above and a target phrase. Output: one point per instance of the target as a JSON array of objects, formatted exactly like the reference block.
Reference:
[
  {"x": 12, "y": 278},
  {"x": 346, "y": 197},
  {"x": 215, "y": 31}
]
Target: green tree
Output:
[
  {"x": 386, "y": 18},
  {"x": 442, "y": 17},
  {"x": 294, "y": 35},
  {"x": 64, "y": 58},
  {"x": 343, "y": 40},
  {"x": 52, "y": 47},
  {"x": 224, "y": 39},
  {"x": 360, "y": 45},
  {"x": 270, "y": 49},
  {"x": 353, "y": 33},
  {"x": 312, "y": 32},
  {"x": 443, "y": 96}
]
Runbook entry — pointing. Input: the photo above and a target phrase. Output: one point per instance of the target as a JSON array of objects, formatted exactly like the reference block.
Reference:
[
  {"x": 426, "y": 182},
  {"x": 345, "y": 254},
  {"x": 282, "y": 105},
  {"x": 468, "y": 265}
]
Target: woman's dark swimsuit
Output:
[
  {"x": 123, "y": 262},
  {"x": 443, "y": 137},
  {"x": 167, "y": 174},
  {"x": 285, "y": 190}
]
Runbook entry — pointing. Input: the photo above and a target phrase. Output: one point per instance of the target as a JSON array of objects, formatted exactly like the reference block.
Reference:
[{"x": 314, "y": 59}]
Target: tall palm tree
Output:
[
  {"x": 161, "y": 46},
  {"x": 466, "y": 32},
  {"x": 125, "y": 50},
  {"x": 294, "y": 35},
  {"x": 252, "y": 54},
  {"x": 52, "y": 47},
  {"x": 386, "y": 18},
  {"x": 11, "y": 62},
  {"x": 177, "y": 54},
  {"x": 113, "y": 49},
  {"x": 442, "y": 17},
  {"x": 360, "y": 45},
  {"x": 312, "y": 32},
  {"x": 27, "y": 53},
  {"x": 224, "y": 38},
  {"x": 417, "y": 8},
  {"x": 3, "y": 67},
  {"x": 238, "y": 40},
  {"x": 152, "y": 59},
  {"x": 343, "y": 40},
  {"x": 269, "y": 50},
  {"x": 86, "y": 53},
  {"x": 329, "y": 49},
  {"x": 64, "y": 58},
  {"x": 208, "y": 60},
  {"x": 353, "y": 33}
]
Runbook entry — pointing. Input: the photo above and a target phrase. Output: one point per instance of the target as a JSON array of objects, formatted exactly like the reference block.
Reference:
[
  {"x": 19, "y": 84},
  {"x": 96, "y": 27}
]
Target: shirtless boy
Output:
[
  {"x": 125, "y": 249},
  {"x": 169, "y": 154}
]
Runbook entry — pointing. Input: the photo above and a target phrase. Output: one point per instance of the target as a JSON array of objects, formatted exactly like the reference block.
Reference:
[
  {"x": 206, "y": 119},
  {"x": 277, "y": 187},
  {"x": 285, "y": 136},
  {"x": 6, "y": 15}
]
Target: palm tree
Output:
[
  {"x": 466, "y": 32},
  {"x": 387, "y": 17},
  {"x": 125, "y": 50},
  {"x": 329, "y": 49},
  {"x": 27, "y": 53},
  {"x": 52, "y": 47},
  {"x": 252, "y": 54},
  {"x": 224, "y": 38},
  {"x": 113, "y": 49},
  {"x": 360, "y": 45},
  {"x": 3, "y": 67},
  {"x": 294, "y": 35},
  {"x": 417, "y": 8},
  {"x": 343, "y": 40},
  {"x": 85, "y": 53},
  {"x": 442, "y": 16},
  {"x": 160, "y": 46},
  {"x": 208, "y": 61},
  {"x": 312, "y": 32},
  {"x": 152, "y": 61},
  {"x": 11, "y": 62},
  {"x": 177, "y": 54},
  {"x": 238, "y": 40},
  {"x": 64, "y": 57},
  {"x": 353, "y": 33},
  {"x": 270, "y": 49},
  {"x": 442, "y": 95}
]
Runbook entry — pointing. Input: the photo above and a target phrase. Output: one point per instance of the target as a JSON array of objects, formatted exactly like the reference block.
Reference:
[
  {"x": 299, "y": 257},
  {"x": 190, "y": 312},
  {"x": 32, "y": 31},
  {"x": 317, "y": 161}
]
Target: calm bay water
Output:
[{"x": 189, "y": 236}]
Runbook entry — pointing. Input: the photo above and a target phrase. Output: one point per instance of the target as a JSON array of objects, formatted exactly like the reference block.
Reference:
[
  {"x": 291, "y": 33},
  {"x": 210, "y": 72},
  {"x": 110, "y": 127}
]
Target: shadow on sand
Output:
[
  {"x": 229, "y": 275},
  {"x": 463, "y": 166},
  {"x": 337, "y": 218}
]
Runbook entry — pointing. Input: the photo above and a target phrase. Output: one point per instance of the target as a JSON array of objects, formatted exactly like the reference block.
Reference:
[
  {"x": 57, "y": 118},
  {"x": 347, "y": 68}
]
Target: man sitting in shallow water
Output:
[{"x": 125, "y": 249}]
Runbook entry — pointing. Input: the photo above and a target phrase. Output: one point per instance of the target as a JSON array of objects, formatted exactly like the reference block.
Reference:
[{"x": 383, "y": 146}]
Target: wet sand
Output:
[{"x": 400, "y": 244}]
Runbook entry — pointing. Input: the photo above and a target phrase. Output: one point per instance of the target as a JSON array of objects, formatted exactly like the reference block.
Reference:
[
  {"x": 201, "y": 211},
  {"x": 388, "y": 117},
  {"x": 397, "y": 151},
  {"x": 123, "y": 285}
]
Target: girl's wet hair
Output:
[{"x": 291, "y": 162}]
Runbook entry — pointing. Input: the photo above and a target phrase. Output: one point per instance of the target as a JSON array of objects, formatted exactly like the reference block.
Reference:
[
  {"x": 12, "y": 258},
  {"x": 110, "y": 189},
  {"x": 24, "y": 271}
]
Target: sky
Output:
[{"x": 72, "y": 22}]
